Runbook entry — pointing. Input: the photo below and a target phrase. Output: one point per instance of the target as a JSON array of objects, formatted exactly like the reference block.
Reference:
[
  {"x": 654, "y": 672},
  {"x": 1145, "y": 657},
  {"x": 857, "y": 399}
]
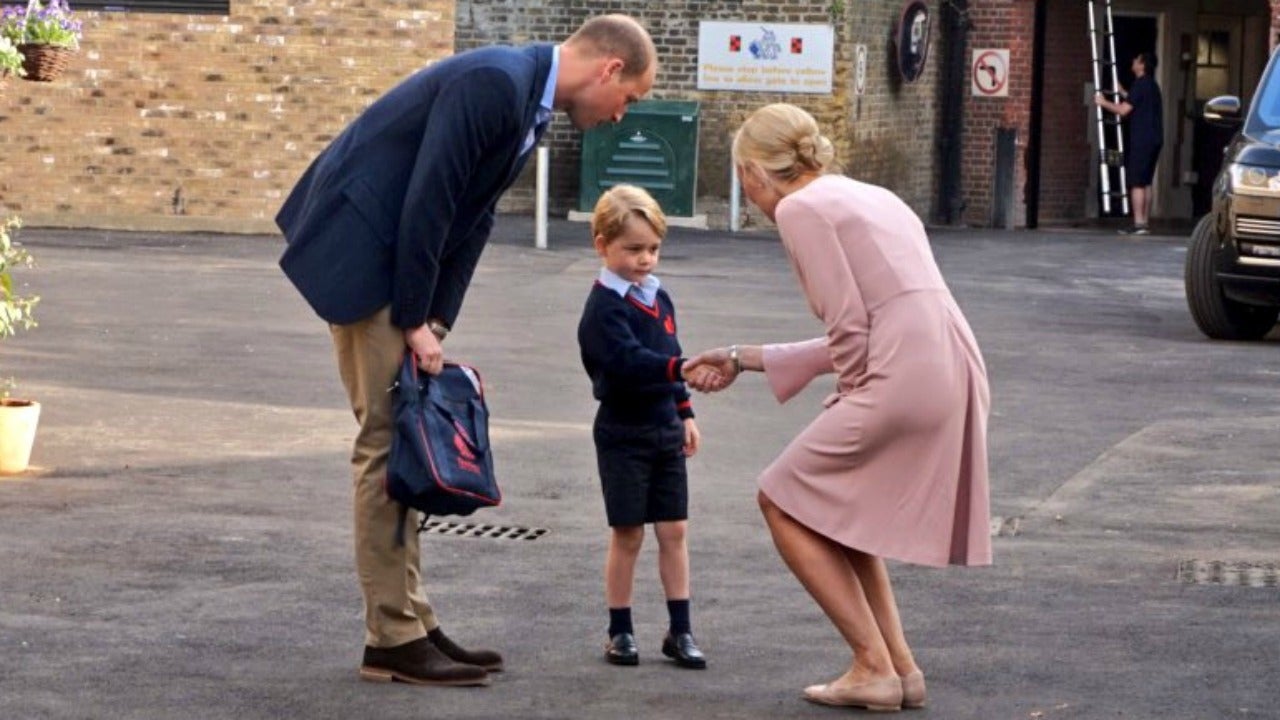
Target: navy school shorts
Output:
[{"x": 642, "y": 472}]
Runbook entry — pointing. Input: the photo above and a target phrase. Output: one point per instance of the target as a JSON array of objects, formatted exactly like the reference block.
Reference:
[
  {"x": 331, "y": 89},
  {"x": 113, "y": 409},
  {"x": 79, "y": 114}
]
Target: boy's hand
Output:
[{"x": 692, "y": 438}]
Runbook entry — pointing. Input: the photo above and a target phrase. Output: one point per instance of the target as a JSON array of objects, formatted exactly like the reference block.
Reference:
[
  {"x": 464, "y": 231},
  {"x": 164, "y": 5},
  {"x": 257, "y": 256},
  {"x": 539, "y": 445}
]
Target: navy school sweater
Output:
[{"x": 632, "y": 355}]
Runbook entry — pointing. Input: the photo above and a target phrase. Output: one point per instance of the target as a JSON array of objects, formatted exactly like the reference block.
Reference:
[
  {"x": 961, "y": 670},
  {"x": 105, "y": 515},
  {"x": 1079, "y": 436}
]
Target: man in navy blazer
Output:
[{"x": 384, "y": 230}]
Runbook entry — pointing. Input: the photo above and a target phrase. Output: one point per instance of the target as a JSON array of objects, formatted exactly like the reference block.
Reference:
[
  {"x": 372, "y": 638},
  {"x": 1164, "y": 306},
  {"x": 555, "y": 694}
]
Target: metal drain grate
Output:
[
  {"x": 493, "y": 532},
  {"x": 1218, "y": 572}
]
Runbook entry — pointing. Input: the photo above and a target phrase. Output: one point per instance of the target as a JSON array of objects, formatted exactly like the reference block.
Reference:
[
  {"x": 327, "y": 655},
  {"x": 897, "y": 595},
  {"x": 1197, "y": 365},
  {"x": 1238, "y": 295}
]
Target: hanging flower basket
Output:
[
  {"x": 44, "y": 63},
  {"x": 44, "y": 33}
]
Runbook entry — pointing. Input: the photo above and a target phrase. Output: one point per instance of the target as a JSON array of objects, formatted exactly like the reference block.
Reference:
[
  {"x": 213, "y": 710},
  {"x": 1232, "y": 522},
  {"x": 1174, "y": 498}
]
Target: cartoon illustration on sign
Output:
[{"x": 767, "y": 47}]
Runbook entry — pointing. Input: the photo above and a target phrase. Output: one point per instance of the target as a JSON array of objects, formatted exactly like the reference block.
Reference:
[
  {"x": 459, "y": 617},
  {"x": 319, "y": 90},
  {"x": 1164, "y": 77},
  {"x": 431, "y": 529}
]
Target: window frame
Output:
[{"x": 220, "y": 8}]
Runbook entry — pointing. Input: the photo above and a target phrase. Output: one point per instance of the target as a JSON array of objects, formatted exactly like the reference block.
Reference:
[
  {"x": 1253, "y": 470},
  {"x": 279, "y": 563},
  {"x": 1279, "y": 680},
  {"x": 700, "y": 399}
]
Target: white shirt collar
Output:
[
  {"x": 646, "y": 291},
  {"x": 547, "y": 103}
]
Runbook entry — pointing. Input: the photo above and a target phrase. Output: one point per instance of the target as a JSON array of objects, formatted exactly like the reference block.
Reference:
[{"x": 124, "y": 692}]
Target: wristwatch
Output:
[{"x": 437, "y": 328}]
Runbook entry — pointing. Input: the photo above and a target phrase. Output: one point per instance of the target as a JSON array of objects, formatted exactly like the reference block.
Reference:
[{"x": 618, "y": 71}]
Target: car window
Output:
[{"x": 1264, "y": 116}]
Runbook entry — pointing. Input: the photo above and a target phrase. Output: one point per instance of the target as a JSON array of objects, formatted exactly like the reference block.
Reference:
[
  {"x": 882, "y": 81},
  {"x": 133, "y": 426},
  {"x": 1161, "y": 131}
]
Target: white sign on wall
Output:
[
  {"x": 765, "y": 56},
  {"x": 860, "y": 70},
  {"x": 989, "y": 72}
]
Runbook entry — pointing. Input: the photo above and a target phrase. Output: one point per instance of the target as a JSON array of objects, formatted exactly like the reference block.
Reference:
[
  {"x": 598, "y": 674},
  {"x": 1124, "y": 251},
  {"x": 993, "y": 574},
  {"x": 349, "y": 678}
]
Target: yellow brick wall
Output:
[{"x": 167, "y": 121}]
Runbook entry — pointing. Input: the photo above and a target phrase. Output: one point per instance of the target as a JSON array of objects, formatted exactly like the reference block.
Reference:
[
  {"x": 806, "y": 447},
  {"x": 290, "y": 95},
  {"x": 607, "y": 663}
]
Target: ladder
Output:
[{"x": 1102, "y": 45}]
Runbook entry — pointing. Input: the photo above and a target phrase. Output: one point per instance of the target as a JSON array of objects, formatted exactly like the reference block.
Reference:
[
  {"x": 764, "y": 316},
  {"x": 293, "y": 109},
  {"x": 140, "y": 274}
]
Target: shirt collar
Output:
[
  {"x": 546, "y": 106},
  {"x": 646, "y": 292}
]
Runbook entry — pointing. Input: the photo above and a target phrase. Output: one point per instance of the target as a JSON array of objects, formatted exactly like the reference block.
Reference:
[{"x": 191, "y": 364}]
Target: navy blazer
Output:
[{"x": 398, "y": 208}]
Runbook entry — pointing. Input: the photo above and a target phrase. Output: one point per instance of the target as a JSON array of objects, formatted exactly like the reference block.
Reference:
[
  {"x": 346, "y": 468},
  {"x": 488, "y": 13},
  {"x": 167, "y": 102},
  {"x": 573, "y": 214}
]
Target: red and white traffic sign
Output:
[{"x": 990, "y": 72}]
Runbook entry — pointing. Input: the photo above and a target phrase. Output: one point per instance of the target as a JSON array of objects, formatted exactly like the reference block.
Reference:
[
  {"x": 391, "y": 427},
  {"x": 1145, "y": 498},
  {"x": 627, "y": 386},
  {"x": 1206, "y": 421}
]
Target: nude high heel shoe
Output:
[
  {"x": 883, "y": 695},
  {"x": 913, "y": 691}
]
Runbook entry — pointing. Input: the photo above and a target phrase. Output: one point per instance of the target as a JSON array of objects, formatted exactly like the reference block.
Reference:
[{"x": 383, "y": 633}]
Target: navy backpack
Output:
[{"x": 440, "y": 460}]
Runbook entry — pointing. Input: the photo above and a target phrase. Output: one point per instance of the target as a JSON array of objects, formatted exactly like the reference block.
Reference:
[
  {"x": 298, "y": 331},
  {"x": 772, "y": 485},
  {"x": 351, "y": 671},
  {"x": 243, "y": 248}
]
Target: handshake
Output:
[{"x": 715, "y": 370}]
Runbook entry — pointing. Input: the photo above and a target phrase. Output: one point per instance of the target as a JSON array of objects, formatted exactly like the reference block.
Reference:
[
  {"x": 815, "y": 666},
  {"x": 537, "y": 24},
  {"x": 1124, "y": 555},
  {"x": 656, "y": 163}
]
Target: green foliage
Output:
[
  {"x": 836, "y": 10},
  {"x": 15, "y": 309},
  {"x": 10, "y": 58},
  {"x": 49, "y": 23}
]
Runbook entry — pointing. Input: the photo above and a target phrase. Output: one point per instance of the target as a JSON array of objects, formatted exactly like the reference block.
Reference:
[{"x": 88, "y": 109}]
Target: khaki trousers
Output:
[{"x": 396, "y": 610}]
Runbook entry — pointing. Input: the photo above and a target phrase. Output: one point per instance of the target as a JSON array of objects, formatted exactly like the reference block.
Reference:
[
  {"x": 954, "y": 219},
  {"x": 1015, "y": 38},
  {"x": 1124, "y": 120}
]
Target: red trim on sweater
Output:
[{"x": 653, "y": 311}]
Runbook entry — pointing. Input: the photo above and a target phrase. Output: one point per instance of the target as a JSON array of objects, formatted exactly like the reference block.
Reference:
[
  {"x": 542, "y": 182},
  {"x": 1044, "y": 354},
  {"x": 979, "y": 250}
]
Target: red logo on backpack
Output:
[{"x": 466, "y": 458}]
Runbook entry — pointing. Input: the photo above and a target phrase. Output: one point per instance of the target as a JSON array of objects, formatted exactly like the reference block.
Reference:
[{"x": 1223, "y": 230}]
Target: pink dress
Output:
[{"x": 896, "y": 465}]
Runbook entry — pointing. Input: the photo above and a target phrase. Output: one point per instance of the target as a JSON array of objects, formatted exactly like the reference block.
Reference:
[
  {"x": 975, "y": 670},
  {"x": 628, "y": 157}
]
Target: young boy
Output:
[{"x": 644, "y": 428}]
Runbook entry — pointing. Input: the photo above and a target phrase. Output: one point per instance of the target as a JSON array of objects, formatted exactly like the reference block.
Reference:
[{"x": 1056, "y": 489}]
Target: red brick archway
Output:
[{"x": 1275, "y": 23}]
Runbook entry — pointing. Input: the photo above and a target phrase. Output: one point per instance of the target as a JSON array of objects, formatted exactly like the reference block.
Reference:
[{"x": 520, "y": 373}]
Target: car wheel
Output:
[{"x": 1216, "y": 315}]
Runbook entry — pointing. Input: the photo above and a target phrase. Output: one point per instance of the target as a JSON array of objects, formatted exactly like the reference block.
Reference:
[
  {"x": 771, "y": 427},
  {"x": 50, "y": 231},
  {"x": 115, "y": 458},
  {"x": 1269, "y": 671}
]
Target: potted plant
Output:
[
  {"x": 45, "y": 33},
  {"x": 10, "y": 60},
  {"x": 18, "y": 418}
]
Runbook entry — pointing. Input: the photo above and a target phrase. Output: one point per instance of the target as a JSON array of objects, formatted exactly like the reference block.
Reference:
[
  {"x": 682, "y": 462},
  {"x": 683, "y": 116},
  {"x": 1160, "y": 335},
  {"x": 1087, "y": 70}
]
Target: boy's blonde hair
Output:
[{"x": 621, "y": 202}]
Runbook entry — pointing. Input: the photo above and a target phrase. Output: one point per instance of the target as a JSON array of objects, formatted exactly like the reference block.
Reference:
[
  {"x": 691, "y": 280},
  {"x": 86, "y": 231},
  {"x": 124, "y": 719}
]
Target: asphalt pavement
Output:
[{"x": 182, "y": 545}]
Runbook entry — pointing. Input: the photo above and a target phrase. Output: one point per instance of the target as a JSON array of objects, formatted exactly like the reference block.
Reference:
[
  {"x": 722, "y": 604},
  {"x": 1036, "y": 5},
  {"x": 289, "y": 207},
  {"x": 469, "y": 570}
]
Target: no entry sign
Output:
[{"x": 989, "y": 72}]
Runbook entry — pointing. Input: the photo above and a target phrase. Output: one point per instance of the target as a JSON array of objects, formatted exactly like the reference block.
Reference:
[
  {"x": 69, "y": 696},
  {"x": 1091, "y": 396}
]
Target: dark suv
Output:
[{"x": 1233, "y": 261}]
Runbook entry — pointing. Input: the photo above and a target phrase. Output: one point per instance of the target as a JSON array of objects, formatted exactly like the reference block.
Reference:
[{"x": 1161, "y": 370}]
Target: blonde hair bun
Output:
[{"x": 785, "y": 141}]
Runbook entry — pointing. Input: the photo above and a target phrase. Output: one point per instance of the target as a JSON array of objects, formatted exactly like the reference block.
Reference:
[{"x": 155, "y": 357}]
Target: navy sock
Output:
[
  {"x": 679, "y": 612},
  {"x": 620, "y": 621}
]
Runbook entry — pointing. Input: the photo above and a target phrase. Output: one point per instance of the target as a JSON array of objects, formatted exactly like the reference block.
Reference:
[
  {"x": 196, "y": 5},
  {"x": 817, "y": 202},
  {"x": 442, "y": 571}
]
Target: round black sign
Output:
[{"x": 912, "y": 39}]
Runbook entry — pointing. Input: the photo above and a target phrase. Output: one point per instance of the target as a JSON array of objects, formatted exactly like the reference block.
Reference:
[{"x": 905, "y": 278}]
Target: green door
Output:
[{"x": 655, "y": 146}]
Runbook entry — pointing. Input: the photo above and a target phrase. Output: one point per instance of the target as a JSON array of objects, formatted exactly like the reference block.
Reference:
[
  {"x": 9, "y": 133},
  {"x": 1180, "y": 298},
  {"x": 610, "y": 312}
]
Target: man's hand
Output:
[{"x": 426, "y": 349}]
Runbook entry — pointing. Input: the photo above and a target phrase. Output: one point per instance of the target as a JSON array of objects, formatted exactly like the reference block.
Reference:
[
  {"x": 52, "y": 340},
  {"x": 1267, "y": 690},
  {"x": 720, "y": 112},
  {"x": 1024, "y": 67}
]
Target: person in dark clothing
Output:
[
  {"x": 1143, "y": 108},
  {"x": 644, "y": 428}
]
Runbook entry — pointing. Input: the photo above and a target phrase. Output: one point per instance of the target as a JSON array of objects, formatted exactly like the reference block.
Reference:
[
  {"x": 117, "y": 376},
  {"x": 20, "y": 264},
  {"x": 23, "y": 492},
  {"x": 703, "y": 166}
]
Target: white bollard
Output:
[{"x": 540, "y": 202}]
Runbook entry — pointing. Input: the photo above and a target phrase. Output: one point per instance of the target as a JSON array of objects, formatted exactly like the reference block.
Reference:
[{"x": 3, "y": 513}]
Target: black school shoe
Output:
[
  {"x": 621, "y": 650},
  {"x": 682, "y": 648}
]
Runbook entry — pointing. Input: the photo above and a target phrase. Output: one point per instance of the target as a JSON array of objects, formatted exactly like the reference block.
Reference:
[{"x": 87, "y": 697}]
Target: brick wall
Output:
[
  {"x": 889, "y": 139},
  {"x": 190, "y": 122},
  {"x": 180, "y": 121},
  {"x": 998, "y": 24},
  {"x": 1275, "y": 23},
  {"x": 1066, "y": 156}
]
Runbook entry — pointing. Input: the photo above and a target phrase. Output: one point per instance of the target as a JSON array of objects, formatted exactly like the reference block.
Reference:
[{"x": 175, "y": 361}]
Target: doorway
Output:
[
  {"x": 1228, "y": 54},
  {"x": 1133, "y": 34}
]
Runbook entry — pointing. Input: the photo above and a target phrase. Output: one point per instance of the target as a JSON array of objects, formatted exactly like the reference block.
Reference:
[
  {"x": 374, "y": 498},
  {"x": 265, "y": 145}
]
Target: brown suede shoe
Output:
[
  {"x": 488, "y": 659},
  {"x": 418, "y": 662}
]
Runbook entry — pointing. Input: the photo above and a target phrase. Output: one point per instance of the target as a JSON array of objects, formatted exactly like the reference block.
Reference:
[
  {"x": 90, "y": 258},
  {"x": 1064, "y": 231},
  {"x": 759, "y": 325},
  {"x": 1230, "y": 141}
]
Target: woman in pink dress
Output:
[{"x": 895, "y": 466}]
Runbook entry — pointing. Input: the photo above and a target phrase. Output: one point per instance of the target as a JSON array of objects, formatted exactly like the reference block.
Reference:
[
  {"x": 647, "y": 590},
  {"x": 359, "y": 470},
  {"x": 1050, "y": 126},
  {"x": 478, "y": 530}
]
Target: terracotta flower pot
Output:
[{"x": 18, "y": 420}]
